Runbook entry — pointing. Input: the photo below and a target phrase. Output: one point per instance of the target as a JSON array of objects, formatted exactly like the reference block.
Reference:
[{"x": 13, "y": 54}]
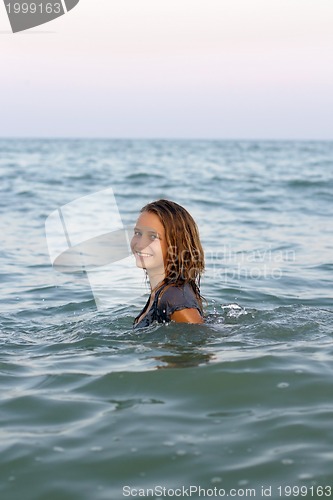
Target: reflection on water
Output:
[{"x": 183, "y": 360}]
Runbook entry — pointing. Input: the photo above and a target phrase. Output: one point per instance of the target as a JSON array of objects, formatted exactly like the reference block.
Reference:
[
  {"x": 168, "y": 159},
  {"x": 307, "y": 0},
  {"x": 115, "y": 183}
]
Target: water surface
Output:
[{"x": 89, "y": 406}]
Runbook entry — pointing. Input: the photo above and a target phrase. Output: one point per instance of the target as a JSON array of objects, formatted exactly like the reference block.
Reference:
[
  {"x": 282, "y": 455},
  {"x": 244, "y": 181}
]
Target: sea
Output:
[{"x": 240, "y": 406}]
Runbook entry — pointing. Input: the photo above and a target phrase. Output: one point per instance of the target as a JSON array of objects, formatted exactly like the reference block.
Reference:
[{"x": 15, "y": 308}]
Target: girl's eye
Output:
[{"x": 152, "y": 236}]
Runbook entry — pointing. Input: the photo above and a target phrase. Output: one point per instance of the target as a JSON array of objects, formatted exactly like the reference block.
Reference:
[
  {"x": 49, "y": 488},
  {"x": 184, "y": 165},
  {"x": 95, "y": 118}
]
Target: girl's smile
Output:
[{"x": 141, "y": 254}]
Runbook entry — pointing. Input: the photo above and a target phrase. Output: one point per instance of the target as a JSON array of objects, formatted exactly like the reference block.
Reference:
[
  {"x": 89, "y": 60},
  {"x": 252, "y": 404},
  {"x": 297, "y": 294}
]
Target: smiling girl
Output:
[{"x": 167, "y": 246}]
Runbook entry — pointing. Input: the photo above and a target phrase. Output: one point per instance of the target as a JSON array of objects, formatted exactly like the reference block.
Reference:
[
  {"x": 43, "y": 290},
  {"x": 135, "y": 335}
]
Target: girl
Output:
[{"x": 167, "y": 246}]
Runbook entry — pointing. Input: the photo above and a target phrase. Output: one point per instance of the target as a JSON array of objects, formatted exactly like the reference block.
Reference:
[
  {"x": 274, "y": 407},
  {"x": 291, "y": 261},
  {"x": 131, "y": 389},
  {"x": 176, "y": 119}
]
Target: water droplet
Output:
[
  {"x": 59, "y": 449},
  {"x": 243, "y": 482},
  {"x": 216, "y": 479},
  {"x": 305, "y": 476}
]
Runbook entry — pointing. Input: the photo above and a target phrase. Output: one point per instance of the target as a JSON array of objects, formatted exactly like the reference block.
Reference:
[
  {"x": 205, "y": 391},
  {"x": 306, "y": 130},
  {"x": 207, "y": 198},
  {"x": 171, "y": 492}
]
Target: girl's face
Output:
[{"x": 148, "y": 243}]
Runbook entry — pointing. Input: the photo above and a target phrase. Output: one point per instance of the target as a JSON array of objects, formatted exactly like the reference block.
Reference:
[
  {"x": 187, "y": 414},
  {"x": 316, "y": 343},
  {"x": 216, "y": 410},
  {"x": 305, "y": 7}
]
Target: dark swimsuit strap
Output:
[{"x": 145, "y": 310}]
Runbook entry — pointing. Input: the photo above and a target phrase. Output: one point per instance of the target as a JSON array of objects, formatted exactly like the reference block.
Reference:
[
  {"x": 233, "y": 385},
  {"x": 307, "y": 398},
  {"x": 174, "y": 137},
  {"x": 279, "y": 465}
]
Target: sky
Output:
[{"x": 203, "y": 69}]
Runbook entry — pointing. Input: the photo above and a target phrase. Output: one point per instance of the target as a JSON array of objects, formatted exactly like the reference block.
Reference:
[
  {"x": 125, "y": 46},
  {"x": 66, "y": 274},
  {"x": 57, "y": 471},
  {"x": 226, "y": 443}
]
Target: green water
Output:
[{"x": 240, "y": 406}]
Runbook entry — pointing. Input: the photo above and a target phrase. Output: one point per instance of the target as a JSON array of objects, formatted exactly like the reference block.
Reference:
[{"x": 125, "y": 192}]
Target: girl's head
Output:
[{"x": 170, "y": 238}]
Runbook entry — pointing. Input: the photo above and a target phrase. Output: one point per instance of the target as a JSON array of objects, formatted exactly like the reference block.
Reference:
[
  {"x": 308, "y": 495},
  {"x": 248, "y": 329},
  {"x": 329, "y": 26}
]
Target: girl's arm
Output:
[{"x": 187, "y": 316}]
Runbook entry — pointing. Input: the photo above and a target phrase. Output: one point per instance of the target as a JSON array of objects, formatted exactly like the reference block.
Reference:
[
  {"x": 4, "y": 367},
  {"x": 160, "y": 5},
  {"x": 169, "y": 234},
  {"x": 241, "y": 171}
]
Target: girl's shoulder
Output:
[{"x": 176, "y": 296}]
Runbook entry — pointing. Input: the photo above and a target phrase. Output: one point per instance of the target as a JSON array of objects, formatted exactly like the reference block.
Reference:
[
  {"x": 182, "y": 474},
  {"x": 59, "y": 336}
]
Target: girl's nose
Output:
[{"x": 139, "y": 243}]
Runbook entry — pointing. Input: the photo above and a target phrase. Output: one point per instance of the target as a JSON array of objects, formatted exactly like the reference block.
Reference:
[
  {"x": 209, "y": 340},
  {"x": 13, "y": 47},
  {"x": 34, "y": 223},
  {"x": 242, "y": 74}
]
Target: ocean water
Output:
[{"x": 239, "y": 406}]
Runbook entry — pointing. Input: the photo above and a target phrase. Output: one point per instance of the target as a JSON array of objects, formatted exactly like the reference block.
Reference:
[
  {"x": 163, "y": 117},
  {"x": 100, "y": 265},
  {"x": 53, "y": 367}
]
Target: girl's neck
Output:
[{"x": 155, "y": 279}]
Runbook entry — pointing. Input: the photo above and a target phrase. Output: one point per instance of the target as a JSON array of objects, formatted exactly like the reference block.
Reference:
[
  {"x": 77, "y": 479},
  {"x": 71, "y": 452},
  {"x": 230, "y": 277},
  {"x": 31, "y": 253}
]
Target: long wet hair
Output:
[{"x": 185, "y": 261}]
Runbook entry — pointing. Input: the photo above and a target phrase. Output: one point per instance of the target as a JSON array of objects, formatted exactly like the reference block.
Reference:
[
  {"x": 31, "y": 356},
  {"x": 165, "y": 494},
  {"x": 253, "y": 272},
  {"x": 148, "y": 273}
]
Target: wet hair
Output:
[{"x": 185, "y": 261}]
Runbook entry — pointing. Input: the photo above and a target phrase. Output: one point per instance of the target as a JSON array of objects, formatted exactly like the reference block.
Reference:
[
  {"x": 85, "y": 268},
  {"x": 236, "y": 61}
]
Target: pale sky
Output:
[{"x": 236, "y": 69}]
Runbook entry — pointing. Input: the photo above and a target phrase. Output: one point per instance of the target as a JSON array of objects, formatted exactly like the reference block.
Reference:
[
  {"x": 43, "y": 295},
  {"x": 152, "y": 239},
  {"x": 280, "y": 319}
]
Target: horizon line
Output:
[{"x": 101, "y": 138}]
